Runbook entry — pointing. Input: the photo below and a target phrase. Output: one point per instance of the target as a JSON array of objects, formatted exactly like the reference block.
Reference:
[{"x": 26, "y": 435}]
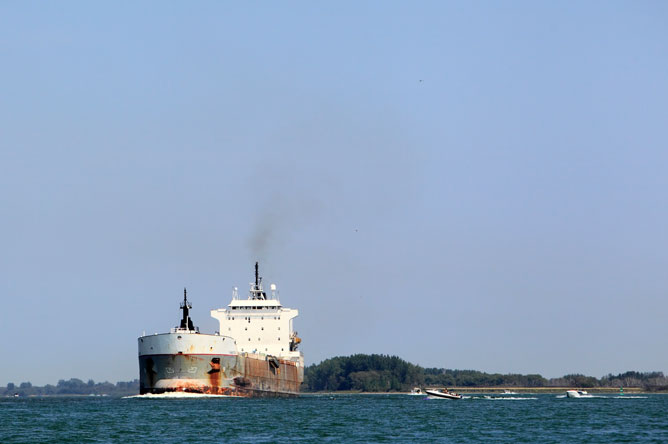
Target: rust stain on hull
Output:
[{"x": 242, "y": 376}]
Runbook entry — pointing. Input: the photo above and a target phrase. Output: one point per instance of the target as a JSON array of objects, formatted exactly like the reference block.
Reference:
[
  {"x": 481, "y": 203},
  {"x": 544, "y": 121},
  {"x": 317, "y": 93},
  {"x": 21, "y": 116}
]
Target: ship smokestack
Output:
[{"x": 256, "y": 290}]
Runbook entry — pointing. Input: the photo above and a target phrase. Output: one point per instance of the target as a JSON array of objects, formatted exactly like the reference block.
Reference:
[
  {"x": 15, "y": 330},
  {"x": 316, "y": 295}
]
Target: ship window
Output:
[
  {"x": 279, "y": 328},
  {"x": 262, "y": 328},
  {"x": 249, "y": 339},
  {"x": 178, "y": 337},
  {"x": 258, "y": 339},
  {"x": 229, "y": 328},
  {"x": 281, "y": 349},
  {"x": 279, "y": 339},
  {"x": 245, "y": 328}
]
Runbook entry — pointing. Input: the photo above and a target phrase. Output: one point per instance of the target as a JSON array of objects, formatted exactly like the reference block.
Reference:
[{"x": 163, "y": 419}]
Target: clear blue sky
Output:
[{"x": 477, "y": 185}]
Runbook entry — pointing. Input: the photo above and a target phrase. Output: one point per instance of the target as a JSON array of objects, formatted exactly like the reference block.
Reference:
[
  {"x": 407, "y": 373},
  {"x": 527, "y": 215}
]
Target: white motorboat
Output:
[
  {"x": 577, "y": 394},
  {"x": 509, "y": 392},
  {"x": 416, "y": 391},
  {"x": 442, "y": 394}
]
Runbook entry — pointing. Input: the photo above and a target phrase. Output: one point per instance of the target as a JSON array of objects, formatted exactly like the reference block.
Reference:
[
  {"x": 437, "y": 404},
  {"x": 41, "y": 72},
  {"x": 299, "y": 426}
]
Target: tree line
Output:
[
  {"x": 383, "y": 373},
  {"x": 73, "y": 386},
  {"x": 373, "y": 373}
]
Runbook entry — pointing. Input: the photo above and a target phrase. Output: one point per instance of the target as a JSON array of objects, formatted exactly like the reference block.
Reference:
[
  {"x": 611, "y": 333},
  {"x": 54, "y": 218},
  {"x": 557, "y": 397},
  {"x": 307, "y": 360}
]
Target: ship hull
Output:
[{"x": 223, "y": 372}]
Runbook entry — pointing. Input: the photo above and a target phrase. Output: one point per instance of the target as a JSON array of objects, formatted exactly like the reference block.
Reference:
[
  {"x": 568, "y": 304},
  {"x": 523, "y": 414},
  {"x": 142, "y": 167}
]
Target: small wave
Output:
[{"x": 174, "y": 395}]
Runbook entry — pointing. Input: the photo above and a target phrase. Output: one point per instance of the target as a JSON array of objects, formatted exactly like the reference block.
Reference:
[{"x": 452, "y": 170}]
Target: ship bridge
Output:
[{"x": 259, "y": 323}]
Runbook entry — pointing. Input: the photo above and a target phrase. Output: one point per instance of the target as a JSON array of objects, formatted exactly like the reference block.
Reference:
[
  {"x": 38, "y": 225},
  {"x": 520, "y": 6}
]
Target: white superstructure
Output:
[{"x": 260, "y": 324}]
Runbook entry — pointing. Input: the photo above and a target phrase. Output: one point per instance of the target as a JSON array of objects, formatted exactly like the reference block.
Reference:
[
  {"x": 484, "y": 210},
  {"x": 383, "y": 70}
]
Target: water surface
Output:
[{"x": 335, "y": 418}]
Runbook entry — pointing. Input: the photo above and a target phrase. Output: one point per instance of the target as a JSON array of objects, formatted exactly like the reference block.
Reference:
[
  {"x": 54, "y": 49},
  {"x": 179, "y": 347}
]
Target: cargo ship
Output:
[{"x": 254, "y": 353}]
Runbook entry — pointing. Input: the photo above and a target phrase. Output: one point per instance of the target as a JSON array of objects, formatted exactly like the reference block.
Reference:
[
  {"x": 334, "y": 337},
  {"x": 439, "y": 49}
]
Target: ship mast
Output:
[{"x": 186, "y": 321}]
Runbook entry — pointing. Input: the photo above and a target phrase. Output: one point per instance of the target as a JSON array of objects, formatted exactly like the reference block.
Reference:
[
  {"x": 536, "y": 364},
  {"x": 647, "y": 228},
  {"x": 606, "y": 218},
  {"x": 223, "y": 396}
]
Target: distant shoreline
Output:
[
  {"x": 499, "y": 390},
  {"x": 462, "y": 390}
]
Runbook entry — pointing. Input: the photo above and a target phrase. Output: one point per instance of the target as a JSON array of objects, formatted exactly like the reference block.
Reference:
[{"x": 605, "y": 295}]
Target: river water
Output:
[{"x": 336, "y": 418}]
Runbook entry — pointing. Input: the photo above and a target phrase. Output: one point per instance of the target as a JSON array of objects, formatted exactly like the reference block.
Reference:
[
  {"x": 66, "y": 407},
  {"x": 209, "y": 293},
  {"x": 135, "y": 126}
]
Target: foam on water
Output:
[
  {"x": 605, "y": 397},
  {"x": 175, "y": 395},
  {"x": 501, "y": 398}
]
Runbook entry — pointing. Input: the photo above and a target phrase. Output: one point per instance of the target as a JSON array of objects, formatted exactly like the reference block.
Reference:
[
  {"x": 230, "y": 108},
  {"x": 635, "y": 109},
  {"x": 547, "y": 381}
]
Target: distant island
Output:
[
  {"x": 376, "y": 373},
  {"x": 383, "y": 373}
]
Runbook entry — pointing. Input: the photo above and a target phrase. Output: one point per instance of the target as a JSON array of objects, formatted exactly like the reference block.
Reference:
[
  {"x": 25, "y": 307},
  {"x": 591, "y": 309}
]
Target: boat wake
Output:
[
  {"x": 175, "y": 395},
  {"x": 630, "y": 397},
  {"x": 502, "y": 398}
]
